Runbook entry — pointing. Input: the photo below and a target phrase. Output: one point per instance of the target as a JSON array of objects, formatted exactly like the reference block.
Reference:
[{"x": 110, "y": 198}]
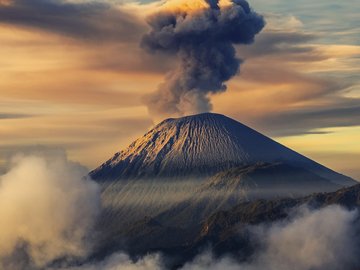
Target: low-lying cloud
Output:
[
  {"x": 122, "y": 261},
  {"x": 319, "y": 240},
  {"x": 322, "y": 239},
  {"x": 47, "y": 210}
]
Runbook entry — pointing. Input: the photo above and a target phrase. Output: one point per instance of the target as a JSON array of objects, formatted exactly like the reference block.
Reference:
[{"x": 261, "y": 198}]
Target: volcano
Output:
[
  {"x": 204, "y": 145},
  {"x": 158, "y": 192}
]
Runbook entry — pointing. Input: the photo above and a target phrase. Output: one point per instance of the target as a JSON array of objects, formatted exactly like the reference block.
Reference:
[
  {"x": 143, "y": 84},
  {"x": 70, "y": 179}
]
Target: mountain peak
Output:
[
  {"x": 196, "y": 120},
  {"x": 200, "y": 116},
  {"x": 199, "y": 146}
]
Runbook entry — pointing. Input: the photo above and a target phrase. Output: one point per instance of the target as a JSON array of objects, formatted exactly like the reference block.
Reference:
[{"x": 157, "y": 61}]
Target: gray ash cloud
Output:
[{"x": 203, "y": 42}]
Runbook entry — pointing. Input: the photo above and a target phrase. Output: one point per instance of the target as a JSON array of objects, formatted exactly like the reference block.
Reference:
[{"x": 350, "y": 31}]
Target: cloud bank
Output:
[
  {"x": 322, "y": 239},
  {"x": 319, "y": 240},
  {"x": 93, "y": 21},
  {"x": 47, "y": 210},
  {"x": 201, "y": 35}
]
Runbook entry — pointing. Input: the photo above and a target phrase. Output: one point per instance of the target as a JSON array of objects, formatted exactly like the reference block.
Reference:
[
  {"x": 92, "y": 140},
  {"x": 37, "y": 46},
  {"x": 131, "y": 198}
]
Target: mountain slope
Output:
[
  {"x": 223, "y": 228},
  {"x": 262, "y": 176},
  {"x": 224, "y": 231},
  {"x": 201, "y": 146},
  {"x": 168, "y": 190}
]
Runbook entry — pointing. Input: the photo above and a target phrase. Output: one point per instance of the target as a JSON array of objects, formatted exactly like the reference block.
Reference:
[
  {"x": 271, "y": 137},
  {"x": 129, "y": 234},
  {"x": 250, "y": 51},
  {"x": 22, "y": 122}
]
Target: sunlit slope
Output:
[{"x": 200, "y": 146}]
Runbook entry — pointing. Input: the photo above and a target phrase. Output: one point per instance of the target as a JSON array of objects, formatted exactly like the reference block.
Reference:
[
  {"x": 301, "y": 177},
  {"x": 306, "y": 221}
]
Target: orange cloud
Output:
[
  {"x": 87, "y": 96},
  {"x": 5, "y": 2}
]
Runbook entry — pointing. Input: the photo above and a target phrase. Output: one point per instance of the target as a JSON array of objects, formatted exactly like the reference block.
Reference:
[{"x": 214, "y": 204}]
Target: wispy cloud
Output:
[
  {"x": 92, "y": 21},
  {"x": 64, "y": 59},
  {"x": 296, "y": 80},
  {"x": 13, "y": 115}
]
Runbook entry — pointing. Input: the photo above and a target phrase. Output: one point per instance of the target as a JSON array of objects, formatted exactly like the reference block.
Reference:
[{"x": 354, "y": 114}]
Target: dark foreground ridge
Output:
[{"x": 225, "y": 231}]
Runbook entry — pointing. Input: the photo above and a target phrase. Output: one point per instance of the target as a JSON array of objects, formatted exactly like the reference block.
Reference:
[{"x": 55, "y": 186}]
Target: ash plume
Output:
[{"x": 201, "y": 35}]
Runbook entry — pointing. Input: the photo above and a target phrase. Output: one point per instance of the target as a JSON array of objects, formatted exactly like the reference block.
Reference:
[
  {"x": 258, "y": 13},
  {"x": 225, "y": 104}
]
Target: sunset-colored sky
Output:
[{"x": 73, "y": 77}]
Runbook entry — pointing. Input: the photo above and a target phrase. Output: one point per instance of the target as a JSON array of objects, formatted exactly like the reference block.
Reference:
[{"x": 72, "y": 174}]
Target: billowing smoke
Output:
[
  {"x": 201, "y": 35},
  {"x": 47, "y": 210}
]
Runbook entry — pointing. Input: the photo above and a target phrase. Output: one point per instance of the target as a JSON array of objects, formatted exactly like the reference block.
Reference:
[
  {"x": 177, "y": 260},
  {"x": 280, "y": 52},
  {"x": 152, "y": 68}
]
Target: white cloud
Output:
[
  {"x": 46, "y": 209},
  {"x": 121, "y": 261},
  {"x": 318, "y": 240}
]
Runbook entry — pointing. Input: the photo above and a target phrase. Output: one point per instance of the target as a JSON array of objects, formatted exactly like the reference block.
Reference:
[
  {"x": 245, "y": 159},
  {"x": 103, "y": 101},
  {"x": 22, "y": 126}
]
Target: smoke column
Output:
[{"x": 201, "y": 36}]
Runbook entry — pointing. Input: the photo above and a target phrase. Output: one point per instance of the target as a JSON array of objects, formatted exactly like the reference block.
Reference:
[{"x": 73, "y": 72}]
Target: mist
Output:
[
  {"x": 47, "y": 211},
  {"x": 171, "y": 201},
  {"x": 323, "y": 239}
]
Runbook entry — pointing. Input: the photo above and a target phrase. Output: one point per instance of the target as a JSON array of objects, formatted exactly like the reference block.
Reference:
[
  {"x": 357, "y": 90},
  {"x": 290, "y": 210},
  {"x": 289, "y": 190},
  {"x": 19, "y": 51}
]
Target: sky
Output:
[{"x": 73, "y": 77}]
